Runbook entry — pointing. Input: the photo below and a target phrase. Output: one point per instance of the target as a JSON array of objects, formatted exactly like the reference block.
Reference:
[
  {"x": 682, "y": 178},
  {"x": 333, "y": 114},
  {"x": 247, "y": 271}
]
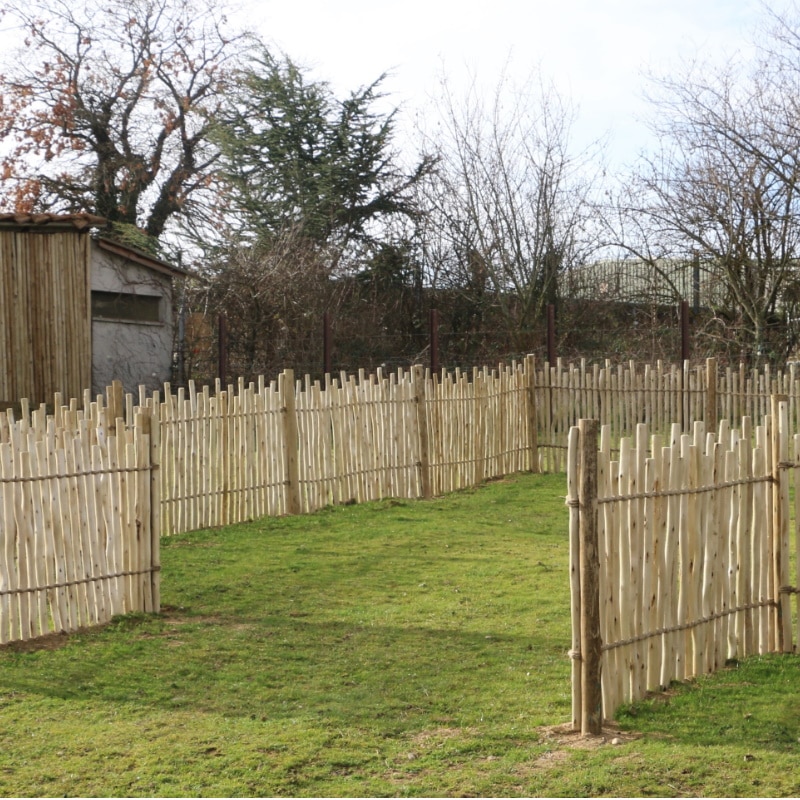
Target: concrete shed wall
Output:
[{"x": 134, "y": 351}]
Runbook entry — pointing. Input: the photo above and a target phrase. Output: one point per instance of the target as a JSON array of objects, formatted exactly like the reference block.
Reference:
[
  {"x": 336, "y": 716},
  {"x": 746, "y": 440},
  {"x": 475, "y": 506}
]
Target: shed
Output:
[{"x": 78, "y": 311}]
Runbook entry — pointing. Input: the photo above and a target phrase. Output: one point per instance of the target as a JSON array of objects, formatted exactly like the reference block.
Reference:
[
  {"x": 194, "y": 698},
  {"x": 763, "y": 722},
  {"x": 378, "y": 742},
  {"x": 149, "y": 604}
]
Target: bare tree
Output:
[
  {"x": 508, "y": 204},
  {"x": 273, "y": 295},
  {"x": 723, "y": 190},
  {"x": 108, "y": 107}
]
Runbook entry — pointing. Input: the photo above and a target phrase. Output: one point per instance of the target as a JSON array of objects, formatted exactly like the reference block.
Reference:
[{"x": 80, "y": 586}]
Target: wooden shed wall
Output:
[{"x": 45, "y": 320}]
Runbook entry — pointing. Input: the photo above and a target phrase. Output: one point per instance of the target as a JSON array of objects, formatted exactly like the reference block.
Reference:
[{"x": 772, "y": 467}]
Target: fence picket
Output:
[{"x": 796, "y": 479}]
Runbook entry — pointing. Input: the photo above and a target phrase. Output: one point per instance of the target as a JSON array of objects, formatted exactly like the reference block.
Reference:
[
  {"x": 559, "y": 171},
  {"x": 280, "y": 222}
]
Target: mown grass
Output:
[{"x": 396, "y": 648}]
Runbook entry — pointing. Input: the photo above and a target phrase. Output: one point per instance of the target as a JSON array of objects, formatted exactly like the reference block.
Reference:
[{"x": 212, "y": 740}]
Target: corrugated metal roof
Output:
[{"x": 80, "y": 222}]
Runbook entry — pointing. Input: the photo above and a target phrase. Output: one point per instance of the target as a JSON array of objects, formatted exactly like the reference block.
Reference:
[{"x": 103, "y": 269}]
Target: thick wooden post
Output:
[
  {"x": 796, "y": 459},
  {"x": 591, "y": 639},
  {"x": 573, "y": 466},
  {"x": 422, "y": 428},
  {"x": 290, "y": 441},
  {"x": 225, "y": 453}
]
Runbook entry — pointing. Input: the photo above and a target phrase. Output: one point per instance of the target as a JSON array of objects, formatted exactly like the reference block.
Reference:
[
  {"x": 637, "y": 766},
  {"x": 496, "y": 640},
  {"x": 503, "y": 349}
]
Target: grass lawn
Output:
[{"x": 395, "y": 648}]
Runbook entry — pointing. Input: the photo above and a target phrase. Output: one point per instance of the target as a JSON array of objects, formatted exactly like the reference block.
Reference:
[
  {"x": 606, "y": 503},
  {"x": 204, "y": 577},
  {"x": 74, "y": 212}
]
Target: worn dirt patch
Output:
[
  {"x": 547, "y": 760},
  {"x": 565, "y": 737},
  {"x": 51, "y": 641},
  {"x": 174, "y": 619},
  {"x": 562, "y": 739},
  {"x": 435, "y": 735}
]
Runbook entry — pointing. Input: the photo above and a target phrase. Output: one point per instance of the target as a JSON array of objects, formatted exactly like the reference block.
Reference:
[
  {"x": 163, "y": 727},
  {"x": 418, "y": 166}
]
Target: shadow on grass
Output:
[{"x": 283, "y": 667}]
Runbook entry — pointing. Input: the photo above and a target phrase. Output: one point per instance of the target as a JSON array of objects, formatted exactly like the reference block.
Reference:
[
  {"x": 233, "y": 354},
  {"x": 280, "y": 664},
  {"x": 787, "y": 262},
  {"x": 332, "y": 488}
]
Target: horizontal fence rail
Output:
[{"x": 680, "y": 555}]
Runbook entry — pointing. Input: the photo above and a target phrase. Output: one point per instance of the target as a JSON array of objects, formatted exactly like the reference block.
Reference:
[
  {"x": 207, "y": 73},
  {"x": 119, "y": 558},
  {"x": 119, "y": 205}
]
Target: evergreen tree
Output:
[{"x": 295, "y": 156}]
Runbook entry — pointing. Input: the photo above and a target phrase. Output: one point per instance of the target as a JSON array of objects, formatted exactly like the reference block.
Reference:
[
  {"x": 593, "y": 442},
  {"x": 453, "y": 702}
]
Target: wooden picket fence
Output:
[
  {"x": 99, "y": 483},
  {"x": 292, "y": 447},
  {"x": 679, "y": 554},
  {"x": 246, "y": 450},
  {"x": 624, "y": 395},
  {"x": 79, "y": 521},
  {"x": 87, "y": 492}
]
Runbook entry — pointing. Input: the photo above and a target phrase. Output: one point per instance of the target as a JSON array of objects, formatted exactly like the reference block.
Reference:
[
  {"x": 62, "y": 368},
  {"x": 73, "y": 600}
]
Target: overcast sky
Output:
[{"x": 595, "y": 50}]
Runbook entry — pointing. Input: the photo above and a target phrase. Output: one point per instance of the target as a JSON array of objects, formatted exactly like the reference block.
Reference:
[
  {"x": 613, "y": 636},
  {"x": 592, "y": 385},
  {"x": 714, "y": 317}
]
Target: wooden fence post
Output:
[
  {"x": 711, "y": 395},
  {"x": 781, "y": 522},
  {"x": 290, "y": 441},
  {"x": 796, "y": 459},
  {"x": 591, "y": 639},
  {"x": 434, "y": 342},
  {"x": 418, "y": 377},
  {"x": 143, "y": 562},
  {"x": 573, "y": 465},
  {"x": 225, "y": 460},
  {"x": 155, "y": 502},
  {"x": 529, "y": 372}
]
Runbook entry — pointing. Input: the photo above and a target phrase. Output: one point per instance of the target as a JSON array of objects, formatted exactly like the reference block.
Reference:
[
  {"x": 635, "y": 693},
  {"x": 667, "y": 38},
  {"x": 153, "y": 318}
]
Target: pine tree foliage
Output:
[{"x": 296, "y": 156}]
